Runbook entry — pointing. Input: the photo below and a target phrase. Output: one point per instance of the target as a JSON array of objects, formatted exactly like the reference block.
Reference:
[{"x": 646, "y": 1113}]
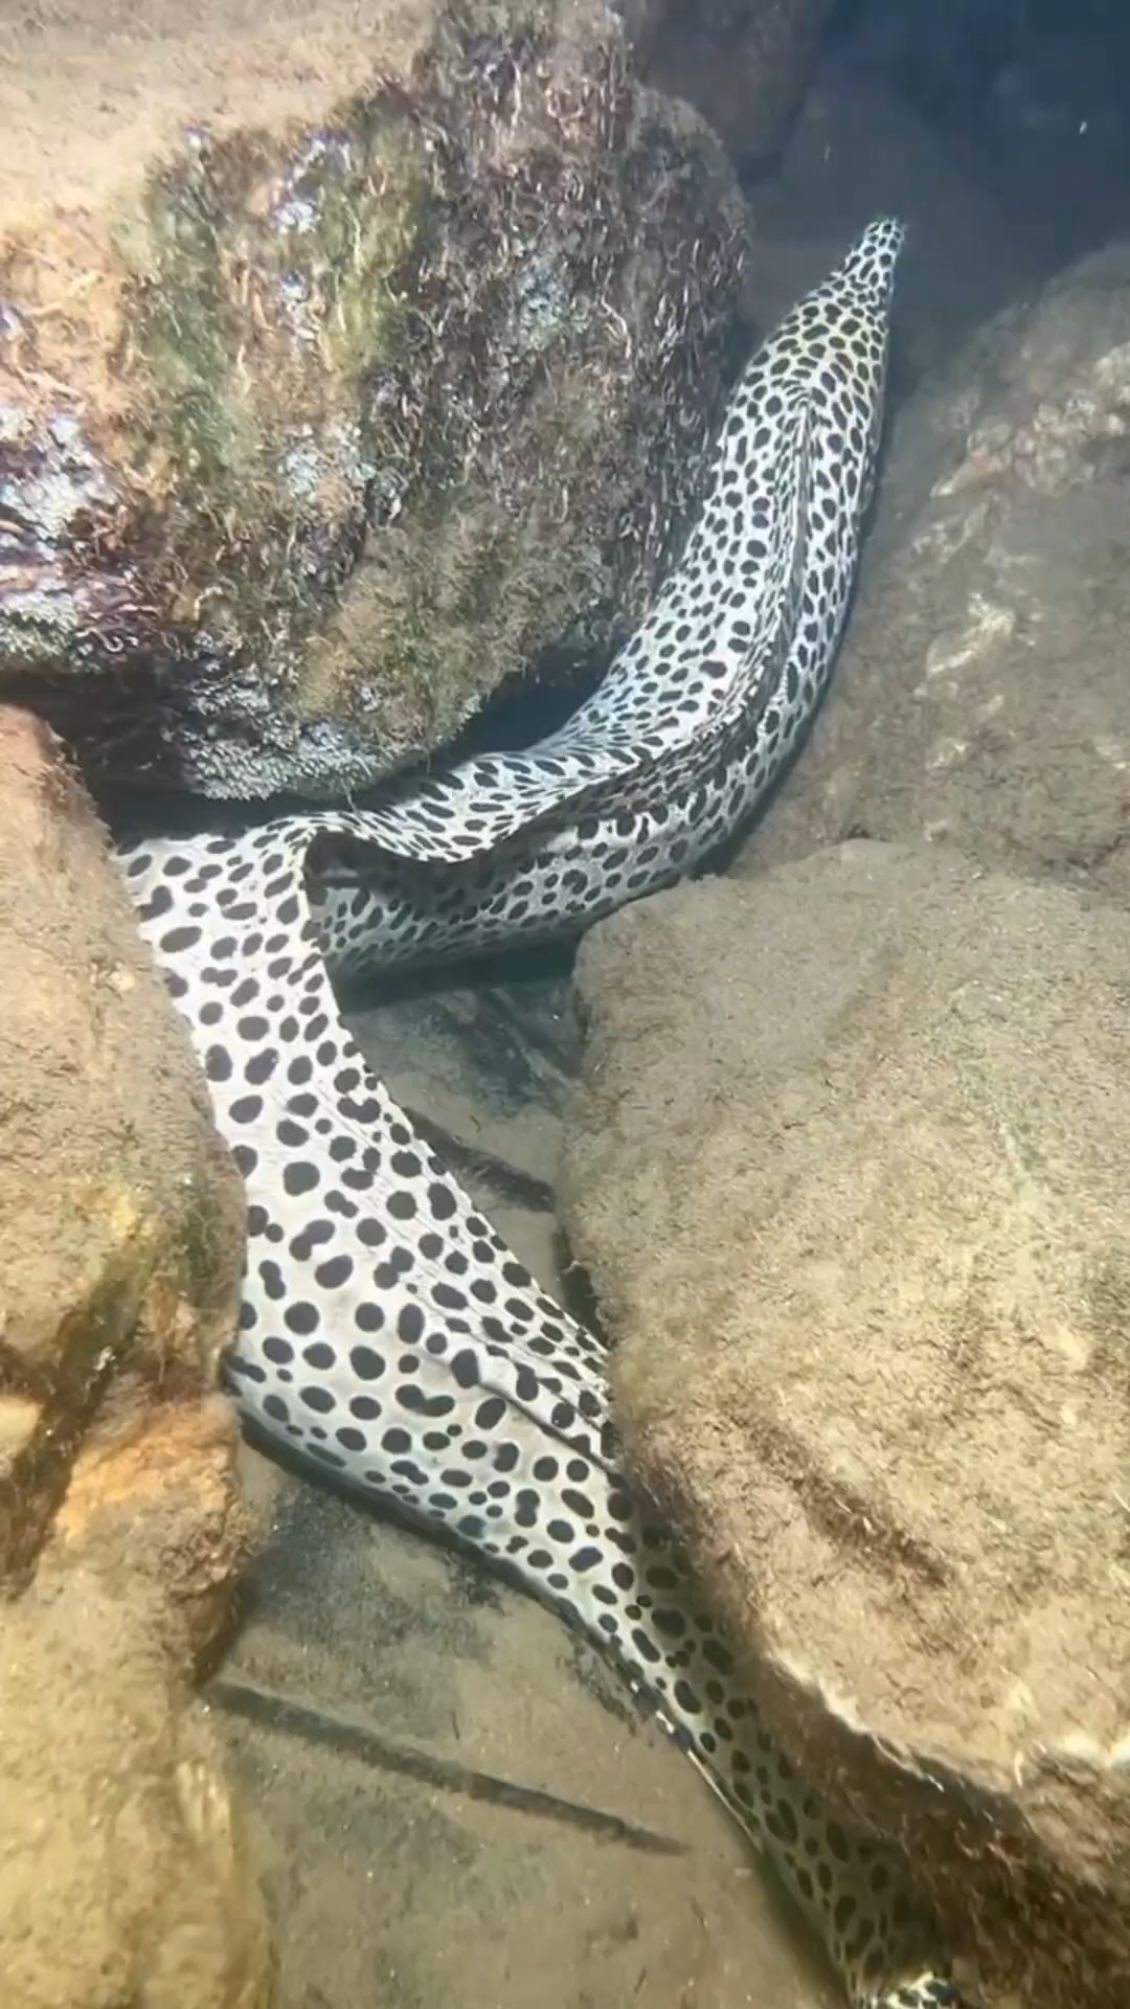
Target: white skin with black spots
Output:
[{"x": 388, "y": 1335}]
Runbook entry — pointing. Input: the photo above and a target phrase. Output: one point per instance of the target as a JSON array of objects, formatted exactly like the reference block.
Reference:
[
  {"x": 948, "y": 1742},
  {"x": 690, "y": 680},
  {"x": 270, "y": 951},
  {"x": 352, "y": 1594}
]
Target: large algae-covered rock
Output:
[
  {"x": 345, "y": 369},
  {"x": 848, "y": 1170},
  {"x": 123, "y": 1884}
]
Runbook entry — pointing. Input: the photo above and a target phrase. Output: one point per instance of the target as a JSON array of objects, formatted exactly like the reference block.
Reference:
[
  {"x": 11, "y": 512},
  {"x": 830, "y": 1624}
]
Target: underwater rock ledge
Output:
[
  {"x": 845, "y": 1169},
  {"x": 125, "y": 1874},
  {"x": 313, "y": 430}
]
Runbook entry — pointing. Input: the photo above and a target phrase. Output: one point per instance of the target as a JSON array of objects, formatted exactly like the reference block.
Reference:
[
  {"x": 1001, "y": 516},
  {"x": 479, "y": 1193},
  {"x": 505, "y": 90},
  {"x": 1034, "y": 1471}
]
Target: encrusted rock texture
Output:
[
  {"x": 981, "y": 695},
  {"x": 122, "y": 1526},
  {"x": 125, "y": 1881},
  {"x": 847, "y": 1170},
  {"x": 349, "y": 366}
]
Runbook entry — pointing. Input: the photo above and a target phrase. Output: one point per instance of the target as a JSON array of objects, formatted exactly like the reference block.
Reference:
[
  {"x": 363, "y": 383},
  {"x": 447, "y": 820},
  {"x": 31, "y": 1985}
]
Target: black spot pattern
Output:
[{"x": 396, "y": 1299}]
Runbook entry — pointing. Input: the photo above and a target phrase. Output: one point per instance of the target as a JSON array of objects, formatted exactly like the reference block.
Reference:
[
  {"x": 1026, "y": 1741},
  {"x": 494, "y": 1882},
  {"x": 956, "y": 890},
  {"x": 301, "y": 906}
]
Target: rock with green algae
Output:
[{"x": 324, "y": 428}]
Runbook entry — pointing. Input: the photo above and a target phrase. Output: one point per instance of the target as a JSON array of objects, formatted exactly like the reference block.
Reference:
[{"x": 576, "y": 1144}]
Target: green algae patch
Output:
[
  {"x": 264, "y": 308},
  {"x": 375, "y": 414}
]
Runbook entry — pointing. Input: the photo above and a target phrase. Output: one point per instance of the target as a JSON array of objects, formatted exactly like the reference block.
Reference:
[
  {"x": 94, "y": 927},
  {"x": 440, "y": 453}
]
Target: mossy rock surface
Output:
[{"x": 318, "y": 430}]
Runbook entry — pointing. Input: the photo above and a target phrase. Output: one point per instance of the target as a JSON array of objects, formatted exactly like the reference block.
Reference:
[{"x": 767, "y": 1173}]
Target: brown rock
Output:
[
  {"x": 122, "y": 1527},
  {"x": 981, "y": 695},
  {"x": 847, "y": 1170},
  {"x": 121, "y": 1214},
  {"x": 124, "y": 1882},
  {"x": 159, "y": 1499}
]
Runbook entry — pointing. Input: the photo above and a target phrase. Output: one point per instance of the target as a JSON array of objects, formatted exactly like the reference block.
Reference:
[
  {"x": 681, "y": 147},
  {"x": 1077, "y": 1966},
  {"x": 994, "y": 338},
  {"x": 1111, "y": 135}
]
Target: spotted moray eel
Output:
[{"x": 388, "y": 1335}]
